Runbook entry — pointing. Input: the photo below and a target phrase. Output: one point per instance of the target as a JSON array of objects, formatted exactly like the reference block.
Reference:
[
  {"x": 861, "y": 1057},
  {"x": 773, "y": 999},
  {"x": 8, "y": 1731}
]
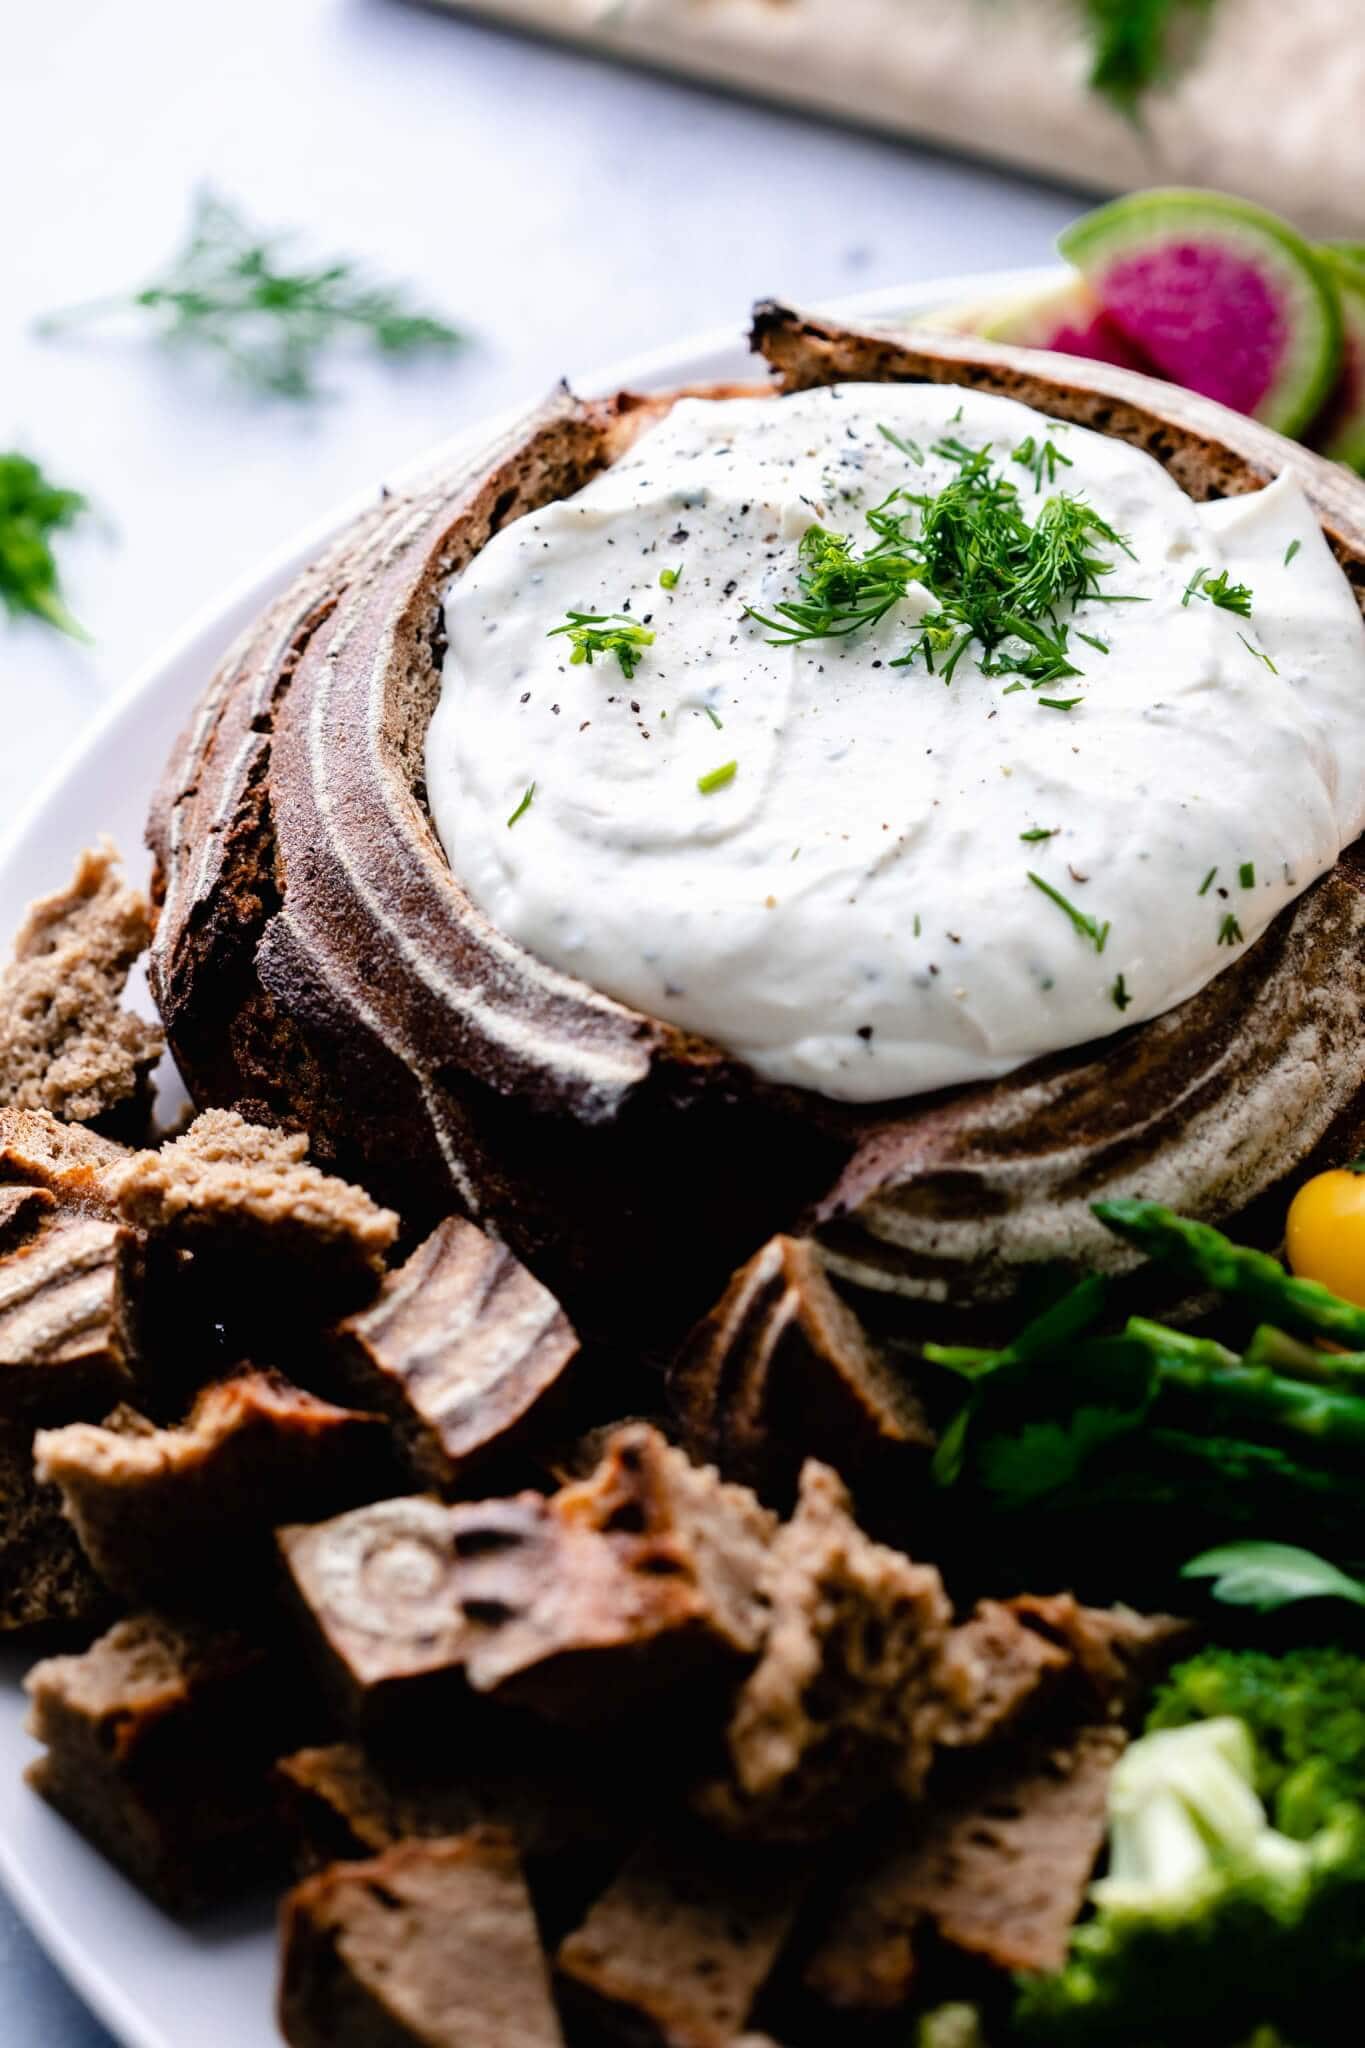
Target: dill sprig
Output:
[
  {"x": 230, "y": 293},
  {"x": 1088, "y": 928},
  {"x": 524, "y": 806},
  {"x": 32, "y": 509},
  {"x": 594, "y": 633},
  {"x": 1041, "y": 457},
  {"x": 1136, "y": 44},
  {"x": 997, "y": 579},
  {"x": 1230, "y": 932}
]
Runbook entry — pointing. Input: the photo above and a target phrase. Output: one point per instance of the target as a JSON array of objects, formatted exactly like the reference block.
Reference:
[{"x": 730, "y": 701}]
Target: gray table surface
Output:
[{"x": 569, "y": 213}]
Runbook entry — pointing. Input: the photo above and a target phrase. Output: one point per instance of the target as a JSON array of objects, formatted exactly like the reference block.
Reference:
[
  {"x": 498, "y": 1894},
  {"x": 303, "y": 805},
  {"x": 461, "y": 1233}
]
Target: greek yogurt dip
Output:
[{"x": 871, "y": 879}]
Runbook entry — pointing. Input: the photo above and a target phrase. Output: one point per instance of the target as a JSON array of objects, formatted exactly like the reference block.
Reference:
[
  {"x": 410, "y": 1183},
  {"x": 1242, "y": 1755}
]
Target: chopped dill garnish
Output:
[
  {"x": 717, "y": 779},
  {"x": 997, "y": 579},
  {"x": 523, "y": 806},
  {"x": 1246, "y": 874},
  {"x": 1193, "y": 584},
  {"x": 1010, "y": 689},
  {"x": 1040, "y": 832},
  {"x": 1258, "y": 654},
  {"x": 1208, "y": 882},
  {"x": 594, "y": 633},
  {"x": 910, "y": 448},
  {"x": 1087, "y": 927},
  {"x": 668, "y": 578},
  {"x": 1119, "y": 995},
  {"x": 1061, "y": 703},
  {"x": 918, "y": 926},
  {"x": 713, "y": 718},
  {"x": 1291, "y": 551},
  {"x": 1229, "y": 931},
  {"x": 1041, "y": 457},
  {"x": 1101, "y": 646}
]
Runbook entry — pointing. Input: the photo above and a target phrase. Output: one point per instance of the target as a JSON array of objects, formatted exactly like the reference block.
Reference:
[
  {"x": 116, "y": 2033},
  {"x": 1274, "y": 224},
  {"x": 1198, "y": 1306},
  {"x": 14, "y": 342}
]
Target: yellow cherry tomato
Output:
[{"x": 1325, "y": 1233}]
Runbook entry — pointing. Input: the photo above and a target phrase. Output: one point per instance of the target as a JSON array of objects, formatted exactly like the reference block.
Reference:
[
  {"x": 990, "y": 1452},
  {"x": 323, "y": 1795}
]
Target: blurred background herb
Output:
[{"x": 32, "y": 510}]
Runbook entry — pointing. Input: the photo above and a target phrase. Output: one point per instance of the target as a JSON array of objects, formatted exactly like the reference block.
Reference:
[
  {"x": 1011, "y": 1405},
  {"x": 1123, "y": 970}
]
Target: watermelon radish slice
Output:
[
  {"x": 1066, "y": 317},
  {"x": 1221, "y": 296},
  {"x": 1339, "y": 429}
]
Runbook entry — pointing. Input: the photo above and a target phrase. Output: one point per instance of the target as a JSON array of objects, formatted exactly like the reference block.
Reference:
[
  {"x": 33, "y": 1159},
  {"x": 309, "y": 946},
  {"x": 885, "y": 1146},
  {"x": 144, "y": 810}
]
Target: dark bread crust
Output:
[{"x": 317, "y": 963}]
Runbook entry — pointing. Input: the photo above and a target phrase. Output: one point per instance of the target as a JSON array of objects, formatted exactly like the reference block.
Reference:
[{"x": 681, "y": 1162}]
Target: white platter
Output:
[{"x": 154, "y": 1983}]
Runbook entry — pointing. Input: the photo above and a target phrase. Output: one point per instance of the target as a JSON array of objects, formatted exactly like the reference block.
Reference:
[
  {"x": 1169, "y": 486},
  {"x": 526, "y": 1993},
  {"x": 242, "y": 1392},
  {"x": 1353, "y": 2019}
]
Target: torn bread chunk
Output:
[
  {"x": 432, "y": 1944},
  {"x": 628, "y": 1582},
  {"x": 185, "y": 1516},
  {"x": 21, "y": 1211},
  {"x": 845, "y": 1700},
  {"x": 256, "y": 1217},
  {"x": 995, "y": 1671},
  {"x": 782, "y": 1363},
  {"x": 679, "y": 1947},
  {"x": 1118, "y": 1652},
  {"x": 72, "y": 1164},
  {"x": 66, "y": 1045},
  {"x": 458, "y": 1349},
  {"x": 997, "y": 1871},
  {"x": 159, "y": 1746},
  {"x": 46, "y": 1580},
  {"x": 556, "y": 1797},
  {"x": 64, "y": 1341}
]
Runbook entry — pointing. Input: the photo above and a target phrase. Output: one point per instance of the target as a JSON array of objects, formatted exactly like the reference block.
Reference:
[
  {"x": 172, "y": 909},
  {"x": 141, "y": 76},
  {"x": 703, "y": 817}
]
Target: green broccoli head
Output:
[
  {"x": 1210, "y": 1923},
  {"x": 1306, "y": 1715}
]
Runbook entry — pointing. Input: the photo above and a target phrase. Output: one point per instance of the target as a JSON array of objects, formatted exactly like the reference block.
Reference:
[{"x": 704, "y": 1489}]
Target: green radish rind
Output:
[
  {"x": 1345, "y": 265},
  {"x": 1145, "y": 220}
]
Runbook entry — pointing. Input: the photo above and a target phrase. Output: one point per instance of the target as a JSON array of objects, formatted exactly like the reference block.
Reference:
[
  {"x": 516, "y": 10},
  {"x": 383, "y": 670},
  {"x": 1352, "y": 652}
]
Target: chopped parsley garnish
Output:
[
  {"x": 524, "y": 806},
  {"x": 1291, "y": 551},
  {"x": 1258, "y": 654},
  {"x": 1042, "y": 458},
  {"x": 717, "y": 778},
  {"x": 996, "y": 578},
  {"x": 910, "y": 448},
  {"x": 1229, "y": 931},
  {"x": 1119, "y": 995},
  {"x": 1208, "y": 881},
  {"x": 1040, "y": 832},
  {"x": 668, "y": 578},
  {"x": 1246, "y": 874},
  {"x": 1085, "y": 926},
  {"x": 31, "y": 510},
  {"x": 594, "y": 633}
]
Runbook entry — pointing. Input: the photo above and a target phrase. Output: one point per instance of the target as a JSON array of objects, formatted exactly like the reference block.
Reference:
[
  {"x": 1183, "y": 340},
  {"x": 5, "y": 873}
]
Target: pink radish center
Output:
[{"x": 1206, "y": 315}]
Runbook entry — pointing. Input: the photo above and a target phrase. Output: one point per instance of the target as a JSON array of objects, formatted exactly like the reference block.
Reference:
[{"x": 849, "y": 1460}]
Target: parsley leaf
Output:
[{"x": 32, "y": 509}]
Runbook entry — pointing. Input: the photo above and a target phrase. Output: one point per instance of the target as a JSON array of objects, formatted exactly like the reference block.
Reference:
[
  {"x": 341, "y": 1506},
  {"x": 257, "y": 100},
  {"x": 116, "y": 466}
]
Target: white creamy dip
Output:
[{"x": 853, "y": 911}]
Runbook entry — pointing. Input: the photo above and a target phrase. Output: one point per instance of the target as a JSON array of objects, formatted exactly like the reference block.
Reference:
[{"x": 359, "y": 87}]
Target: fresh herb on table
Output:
[
  {"x": 1097, "y": 934},
  {"x": 1135, "y": 44},
  {"x": 231, "y": 292},
  {"x": 594, "y": 633},
  {"x": 32, "y": 510},
  {"x": 997, "y": 579}
]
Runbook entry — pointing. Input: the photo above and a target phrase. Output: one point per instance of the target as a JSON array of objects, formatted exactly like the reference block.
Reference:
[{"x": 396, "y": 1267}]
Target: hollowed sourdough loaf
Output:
[{"x": 317, "y": 962}]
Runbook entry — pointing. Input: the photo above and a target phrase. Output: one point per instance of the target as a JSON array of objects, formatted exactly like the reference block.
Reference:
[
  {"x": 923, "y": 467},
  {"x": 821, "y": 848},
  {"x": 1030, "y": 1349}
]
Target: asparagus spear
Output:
[
  {"x": 1254, "y": 1393},
  {"x": 1235, "y": 1270},
  {"x": 1283, "y": 1353}
]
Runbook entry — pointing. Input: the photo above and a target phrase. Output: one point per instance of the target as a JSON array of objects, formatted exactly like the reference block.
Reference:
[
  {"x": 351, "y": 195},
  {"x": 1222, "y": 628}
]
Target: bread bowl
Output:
[{"x": 316, "y": 961}]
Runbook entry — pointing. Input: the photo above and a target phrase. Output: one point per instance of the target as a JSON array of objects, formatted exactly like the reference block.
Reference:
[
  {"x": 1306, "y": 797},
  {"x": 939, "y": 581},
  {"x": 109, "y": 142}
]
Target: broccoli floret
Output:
[
  {"x": 1210, "y": 1923},
  {"x": 951, "y": 2026},
  {"x": 1306, "y": 1714}
]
